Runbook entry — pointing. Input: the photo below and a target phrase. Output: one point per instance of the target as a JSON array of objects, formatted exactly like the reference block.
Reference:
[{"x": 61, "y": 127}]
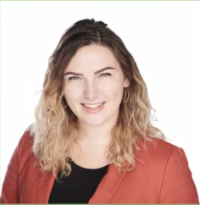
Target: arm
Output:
[
  {"x": 10, "y": 185},
  {"x": 10, "y": 188},
  {"x": 178, "y": 185}
]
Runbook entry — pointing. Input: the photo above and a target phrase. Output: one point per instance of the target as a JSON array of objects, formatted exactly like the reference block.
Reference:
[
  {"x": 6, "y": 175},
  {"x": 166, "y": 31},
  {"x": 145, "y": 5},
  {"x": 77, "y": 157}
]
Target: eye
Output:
[
  {"x": 72, "y": 78},
  {"x": 105, "y": 74}
]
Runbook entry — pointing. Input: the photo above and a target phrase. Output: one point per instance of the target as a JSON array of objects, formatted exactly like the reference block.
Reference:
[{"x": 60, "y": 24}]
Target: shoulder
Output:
[
  {"x": 161, "y": 155},
  {"x": 172, "y": 156},
  {"x": 26, "y": 141},
  {"x": 165, "y": 161},
  {"x": 170, "y": 163},
  {"x": 24, "y": 147},
  {"x": 168, "y": 150},
  {"x": 164, "y": 167},
  {"x": 159, "y": 149}
]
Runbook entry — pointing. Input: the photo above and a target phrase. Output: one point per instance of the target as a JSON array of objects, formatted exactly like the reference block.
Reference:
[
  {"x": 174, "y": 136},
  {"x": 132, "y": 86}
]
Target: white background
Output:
[{"x": 163, "y": 37}]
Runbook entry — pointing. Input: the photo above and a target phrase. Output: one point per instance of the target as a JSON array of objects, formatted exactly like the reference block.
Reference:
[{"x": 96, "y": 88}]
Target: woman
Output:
[{"x": 93, "y": 141}]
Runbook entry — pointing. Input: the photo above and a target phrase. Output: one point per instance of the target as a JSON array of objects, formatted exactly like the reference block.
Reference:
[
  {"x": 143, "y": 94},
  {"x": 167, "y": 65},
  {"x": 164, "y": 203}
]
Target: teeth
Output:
[{"x": 93, "y": 106}]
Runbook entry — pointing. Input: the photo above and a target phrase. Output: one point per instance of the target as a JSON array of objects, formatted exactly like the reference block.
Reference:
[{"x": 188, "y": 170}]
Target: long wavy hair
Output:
[{"x": 55, "y": 125}]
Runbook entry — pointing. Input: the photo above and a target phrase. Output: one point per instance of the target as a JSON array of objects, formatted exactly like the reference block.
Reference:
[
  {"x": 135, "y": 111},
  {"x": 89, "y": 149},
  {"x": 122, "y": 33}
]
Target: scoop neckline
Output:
[{"x": 89, "y": 169}]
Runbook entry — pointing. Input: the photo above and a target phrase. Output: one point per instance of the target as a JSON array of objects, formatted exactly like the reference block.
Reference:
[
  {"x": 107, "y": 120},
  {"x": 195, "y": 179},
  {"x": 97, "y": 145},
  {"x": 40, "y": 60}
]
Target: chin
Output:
[{"x": 94, "y": 121}]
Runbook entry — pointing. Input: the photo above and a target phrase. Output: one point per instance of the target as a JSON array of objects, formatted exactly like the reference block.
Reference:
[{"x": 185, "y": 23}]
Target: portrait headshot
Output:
[{"x": 100, "y": 102}]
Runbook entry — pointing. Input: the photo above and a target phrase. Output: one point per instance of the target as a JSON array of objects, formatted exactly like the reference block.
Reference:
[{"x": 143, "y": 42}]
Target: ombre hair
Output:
[{"x": 55, "y": 126}]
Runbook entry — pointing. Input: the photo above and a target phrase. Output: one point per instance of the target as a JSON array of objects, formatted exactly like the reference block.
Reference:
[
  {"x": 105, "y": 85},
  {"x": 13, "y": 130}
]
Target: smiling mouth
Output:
[
  {"x": 96, "y": 105},
  {"x": 93, "y": 103},
  {"x": 92, "y": 109}
]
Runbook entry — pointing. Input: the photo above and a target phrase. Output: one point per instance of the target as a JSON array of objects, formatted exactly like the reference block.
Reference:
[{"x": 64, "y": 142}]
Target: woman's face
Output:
[{"x": 90, "y": 85}]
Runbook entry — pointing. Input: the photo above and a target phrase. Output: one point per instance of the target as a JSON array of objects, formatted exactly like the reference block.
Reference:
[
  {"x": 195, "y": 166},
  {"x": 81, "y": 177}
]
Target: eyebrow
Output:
[{"x": 96, "y": 72}]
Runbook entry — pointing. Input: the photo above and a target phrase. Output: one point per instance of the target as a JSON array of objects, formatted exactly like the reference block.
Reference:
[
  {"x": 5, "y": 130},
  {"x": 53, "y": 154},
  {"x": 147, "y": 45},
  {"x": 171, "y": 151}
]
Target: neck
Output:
[{"x": 95, "y": 134}]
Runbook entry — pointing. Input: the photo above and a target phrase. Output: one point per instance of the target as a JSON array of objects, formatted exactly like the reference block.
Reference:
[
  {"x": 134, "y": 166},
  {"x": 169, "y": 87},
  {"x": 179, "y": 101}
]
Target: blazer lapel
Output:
[
  {"x": 108, "y": 185},
  {"x": 45, "y": 186},
  {"x": 103, "y": 193}
]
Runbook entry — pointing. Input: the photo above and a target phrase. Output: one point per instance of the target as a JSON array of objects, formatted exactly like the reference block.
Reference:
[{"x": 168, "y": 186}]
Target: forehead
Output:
[{"x": 92, "y": 57}]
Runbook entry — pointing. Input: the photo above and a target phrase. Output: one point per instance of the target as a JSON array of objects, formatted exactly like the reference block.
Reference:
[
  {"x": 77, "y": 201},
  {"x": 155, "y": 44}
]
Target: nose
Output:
[{"x": 91, "y": 91}]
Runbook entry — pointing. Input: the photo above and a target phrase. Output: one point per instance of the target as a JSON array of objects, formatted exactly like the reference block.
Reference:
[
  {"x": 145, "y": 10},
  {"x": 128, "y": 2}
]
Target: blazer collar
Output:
[
  {"x": 103, "y": 193},
  {"x": 46, "y": 181},
  {"x": 108, "y": 185}
]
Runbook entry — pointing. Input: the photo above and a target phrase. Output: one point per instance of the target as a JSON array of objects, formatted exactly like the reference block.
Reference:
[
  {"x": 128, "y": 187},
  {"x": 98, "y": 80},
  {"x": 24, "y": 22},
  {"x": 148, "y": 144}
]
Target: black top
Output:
[{"x": 78, "y": 187}]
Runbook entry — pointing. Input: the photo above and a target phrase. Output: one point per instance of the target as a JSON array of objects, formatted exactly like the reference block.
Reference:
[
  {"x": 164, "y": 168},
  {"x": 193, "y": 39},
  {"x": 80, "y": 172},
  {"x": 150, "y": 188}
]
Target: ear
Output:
[{"x": 126, "y": 83}]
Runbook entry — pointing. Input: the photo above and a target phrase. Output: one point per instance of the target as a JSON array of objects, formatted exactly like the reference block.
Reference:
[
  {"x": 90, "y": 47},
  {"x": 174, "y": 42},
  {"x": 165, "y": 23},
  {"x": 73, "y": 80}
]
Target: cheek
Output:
[
  {"x": 114, "y": 91},
  {"x": 72, "y": 93}
]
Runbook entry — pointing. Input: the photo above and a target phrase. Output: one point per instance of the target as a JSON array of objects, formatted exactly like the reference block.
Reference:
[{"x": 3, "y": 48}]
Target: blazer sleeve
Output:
[
  {"x": 178, "y": 185},
  {"x": 10, "y": 188}
]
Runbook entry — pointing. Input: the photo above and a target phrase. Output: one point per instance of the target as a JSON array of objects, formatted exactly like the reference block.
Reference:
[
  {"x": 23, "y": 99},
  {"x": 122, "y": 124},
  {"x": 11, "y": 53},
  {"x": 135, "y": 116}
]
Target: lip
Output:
[
  {"x": 92, "y": 103},
  {"x": 93, "y": 111}
]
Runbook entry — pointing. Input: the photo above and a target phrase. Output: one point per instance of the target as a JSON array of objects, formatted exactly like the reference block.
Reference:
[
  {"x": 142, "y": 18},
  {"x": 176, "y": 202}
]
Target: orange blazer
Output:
[{"x": 161, "y": 175}]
